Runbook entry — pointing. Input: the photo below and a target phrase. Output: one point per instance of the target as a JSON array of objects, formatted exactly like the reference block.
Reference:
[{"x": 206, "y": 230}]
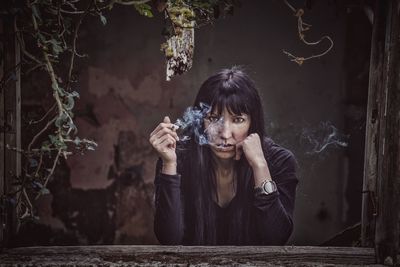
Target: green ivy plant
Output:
[{"x": 47, "y": 32}]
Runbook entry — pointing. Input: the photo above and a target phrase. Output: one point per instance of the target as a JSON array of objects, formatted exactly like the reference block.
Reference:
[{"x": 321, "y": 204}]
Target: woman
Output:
[{"x": 237, "y": 189}]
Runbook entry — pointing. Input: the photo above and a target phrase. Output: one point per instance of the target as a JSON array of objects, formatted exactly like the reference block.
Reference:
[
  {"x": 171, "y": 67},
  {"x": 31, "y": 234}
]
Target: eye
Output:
[
  {"x": 212, "y": 118},
  {"x": 238, "y": 120}
]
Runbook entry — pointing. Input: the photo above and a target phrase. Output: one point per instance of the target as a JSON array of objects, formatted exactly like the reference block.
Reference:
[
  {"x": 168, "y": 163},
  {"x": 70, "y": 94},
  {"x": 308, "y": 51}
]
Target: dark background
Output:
[{"x": 106, "y": 196}]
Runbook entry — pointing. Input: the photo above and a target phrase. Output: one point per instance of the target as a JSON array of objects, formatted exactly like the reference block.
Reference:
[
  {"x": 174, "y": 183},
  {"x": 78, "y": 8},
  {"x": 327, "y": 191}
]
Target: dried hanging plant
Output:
[
  {"x": 302, "y": 27},
  {"x": 47, "y": 32},
  {"x": 182, "y": 17}
]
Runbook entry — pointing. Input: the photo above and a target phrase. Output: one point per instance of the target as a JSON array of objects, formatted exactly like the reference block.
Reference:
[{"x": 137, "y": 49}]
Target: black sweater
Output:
[{"x": 271, "y": 214}]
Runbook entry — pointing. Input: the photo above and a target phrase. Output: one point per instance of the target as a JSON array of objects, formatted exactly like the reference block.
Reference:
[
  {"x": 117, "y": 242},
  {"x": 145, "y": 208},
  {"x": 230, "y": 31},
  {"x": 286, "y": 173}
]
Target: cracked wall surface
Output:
[{"x": 106, "y": 196}]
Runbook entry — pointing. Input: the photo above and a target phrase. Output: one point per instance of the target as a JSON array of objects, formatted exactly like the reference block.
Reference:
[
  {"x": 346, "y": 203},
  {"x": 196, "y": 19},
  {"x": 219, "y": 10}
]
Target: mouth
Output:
[{"x": 224, "y": 147}]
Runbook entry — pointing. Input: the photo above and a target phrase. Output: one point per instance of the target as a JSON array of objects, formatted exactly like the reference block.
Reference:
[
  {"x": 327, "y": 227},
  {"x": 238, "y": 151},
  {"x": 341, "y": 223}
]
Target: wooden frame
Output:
[
  {"x": 381, "y": 189},
  {"x": 187, "y": 256},
  {"x": 10, "y": 117},
  {"x": 381, "y": 198}
]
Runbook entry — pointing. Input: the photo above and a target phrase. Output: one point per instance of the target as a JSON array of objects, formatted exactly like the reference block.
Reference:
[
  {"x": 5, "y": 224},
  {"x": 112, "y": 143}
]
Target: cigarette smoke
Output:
[
  {"x": 191, "y": 124},
  {"x": 320, "y": 138},
  {"x": 313, "y": 140}
]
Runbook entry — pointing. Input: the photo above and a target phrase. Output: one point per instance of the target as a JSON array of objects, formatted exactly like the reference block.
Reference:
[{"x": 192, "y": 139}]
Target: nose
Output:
[{"x": 225, "y": 130}]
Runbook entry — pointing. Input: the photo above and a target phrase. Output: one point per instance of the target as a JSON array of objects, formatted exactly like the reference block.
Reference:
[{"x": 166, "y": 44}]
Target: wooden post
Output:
[
  {"x": 376, "y": 84},
  {"x": 10, "y": 115},
  {"x": 383, "y": 140},
  {"x": 2, "y": 180}
]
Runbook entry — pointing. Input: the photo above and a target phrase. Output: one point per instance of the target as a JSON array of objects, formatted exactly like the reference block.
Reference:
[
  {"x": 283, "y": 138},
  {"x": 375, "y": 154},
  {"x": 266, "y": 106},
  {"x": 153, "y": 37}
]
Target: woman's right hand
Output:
[{"x": 163, "y": 139}]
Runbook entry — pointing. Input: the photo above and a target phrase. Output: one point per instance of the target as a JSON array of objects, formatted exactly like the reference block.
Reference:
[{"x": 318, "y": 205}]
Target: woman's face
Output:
[{"x": 225, "y": 131}]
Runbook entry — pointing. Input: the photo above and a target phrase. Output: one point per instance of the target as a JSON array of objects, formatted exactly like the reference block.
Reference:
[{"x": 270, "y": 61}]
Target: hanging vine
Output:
[
  {"x": 47, "y": 32},
  {"x": 302, "y": 27}
]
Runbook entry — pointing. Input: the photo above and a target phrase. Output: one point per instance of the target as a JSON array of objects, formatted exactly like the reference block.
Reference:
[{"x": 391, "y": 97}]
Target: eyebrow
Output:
[{"x": 215, "y": 113}]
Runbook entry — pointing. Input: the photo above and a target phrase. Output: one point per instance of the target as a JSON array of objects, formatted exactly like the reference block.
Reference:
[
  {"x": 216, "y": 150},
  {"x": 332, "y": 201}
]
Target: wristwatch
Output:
[{"x": 267, "y": 187}]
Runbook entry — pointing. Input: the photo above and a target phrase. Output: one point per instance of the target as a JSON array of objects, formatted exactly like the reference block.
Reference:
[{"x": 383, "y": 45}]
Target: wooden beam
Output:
[
  {"x": 11, "y": 126},
  {"x": 388, "y": 175},
  {"x": 187, "y": 256},
  {"x": 2, "y": 120},
  {"x": 376, "y": 86}
]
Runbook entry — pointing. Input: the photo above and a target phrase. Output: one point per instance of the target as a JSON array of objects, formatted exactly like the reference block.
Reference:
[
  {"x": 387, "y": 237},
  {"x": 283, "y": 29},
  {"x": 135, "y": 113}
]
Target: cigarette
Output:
[{"x": 175, "y": 127}]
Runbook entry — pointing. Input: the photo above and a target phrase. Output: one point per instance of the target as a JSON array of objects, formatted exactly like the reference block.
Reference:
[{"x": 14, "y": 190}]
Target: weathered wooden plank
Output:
[
  {"x": 187, "y": 256},
  {"x": 381, "y": 199},
  {"x": 388, "y": 186},
  {"x": 2, "y": 219},
  {"x": 372, "y": 124},
  {"x": 11, "y": 116}
]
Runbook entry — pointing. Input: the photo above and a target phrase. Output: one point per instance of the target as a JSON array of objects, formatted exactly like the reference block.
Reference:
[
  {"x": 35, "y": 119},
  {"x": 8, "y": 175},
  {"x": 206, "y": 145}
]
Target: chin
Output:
[{"x": 224, "y": 155}]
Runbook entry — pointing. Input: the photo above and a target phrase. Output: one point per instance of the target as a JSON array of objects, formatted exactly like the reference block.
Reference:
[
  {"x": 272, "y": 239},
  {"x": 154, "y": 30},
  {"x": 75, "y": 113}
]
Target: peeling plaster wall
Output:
[{"x": 105, "y": 196}]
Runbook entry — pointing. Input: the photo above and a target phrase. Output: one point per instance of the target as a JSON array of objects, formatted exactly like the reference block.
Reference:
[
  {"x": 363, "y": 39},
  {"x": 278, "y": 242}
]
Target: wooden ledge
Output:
[{"x": 186, "y": 256}]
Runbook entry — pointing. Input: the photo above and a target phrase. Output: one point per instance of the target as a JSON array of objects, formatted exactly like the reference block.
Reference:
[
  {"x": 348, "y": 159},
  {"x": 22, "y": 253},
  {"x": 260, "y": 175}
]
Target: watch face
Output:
[{"x": 269, "y": 187}]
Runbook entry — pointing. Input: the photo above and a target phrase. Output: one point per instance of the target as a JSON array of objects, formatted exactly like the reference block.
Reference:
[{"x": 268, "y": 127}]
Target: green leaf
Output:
[
  {"x": 57, "y": 49},
  {"x": 144, "y": 9},
  {"x": 45, "y": 146},
  {"x": 74, "y": 94},
  {"x": 62, "y": 146},
  {"x": 46, "y": 143},
  {"x": 33, "y": 162},
  {"x": 41, "y": 37},
  {"x": 36, "y": 13},
  {"x": 77, "y": 141},
  {"x": 37, "y": 185},
  {"x": 54, "y": 86},
  {"x": 61, "y": 120},
  {"x": 70, "y": 103},
  {"x": 53, "y": 139},
  {"x": 44, "y": 191},
  {"x": 61, "y": 91},
  {"x": 57, "y": 142},
  {"x": 103, "y": 19}
]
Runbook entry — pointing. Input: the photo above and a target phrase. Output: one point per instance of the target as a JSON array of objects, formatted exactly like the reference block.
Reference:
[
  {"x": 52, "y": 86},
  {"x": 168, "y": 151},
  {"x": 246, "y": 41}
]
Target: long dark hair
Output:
[{"x": 233, "y": 89}]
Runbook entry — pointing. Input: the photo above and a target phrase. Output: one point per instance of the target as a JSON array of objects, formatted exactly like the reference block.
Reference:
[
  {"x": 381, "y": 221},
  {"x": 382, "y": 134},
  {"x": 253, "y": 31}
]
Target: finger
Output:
[
  {"x": 170, "y": 125},
  {"x": 255, "y": 136},
  {"x": 165, "y": 122},
  {"x": 239, "y": 150},
  {"x": 163, "y": 132},
  {"x": 167, "y": 143},
  {"x": 156, "y": 130},
  {"x": 156, "y": 142},
  {"x": 163, "y": 125},
  {"x": 159, "y": 141},
  {"x": 238, "y": 154},
  {"x": 160, "y": 127}
]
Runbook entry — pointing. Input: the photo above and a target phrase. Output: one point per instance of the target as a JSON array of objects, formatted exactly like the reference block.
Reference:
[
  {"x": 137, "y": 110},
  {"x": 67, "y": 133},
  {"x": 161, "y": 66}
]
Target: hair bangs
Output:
[{"x": 233, "y": 101}]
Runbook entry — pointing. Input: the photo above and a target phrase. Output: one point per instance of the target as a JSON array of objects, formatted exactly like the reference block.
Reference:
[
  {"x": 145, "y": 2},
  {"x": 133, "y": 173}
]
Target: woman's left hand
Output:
[{"x": 252, "y": 149}]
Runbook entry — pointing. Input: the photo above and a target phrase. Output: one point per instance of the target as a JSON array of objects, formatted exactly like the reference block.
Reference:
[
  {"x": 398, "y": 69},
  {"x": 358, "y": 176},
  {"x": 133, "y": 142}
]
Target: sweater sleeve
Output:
[
  {"x": 168, "y": 219},
  {"x": 274, "y": 212}
]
